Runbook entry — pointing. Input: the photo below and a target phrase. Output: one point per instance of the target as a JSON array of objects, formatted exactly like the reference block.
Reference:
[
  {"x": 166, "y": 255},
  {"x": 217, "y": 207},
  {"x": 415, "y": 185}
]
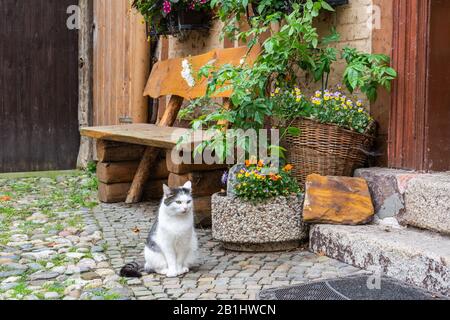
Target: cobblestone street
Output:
[
  {"x": 220, "y": 274},
  {"x": 57, "y": 243}
]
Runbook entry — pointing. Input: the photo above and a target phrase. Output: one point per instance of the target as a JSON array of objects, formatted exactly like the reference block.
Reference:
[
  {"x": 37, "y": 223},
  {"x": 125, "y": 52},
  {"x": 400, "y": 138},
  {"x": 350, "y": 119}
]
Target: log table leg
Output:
[{"x": 151, "y": 153}]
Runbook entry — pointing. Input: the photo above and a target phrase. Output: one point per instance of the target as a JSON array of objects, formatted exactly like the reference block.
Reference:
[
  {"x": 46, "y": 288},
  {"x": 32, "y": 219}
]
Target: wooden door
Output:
[
  {"x": 419, "y": 132},
  {"x": 38, "y": 86},
  {"x": 121, "y": 64}
]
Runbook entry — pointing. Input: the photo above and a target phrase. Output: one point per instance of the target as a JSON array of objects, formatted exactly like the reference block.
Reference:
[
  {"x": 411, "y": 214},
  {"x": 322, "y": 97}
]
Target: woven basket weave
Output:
[{"x": 327, "y": 149}]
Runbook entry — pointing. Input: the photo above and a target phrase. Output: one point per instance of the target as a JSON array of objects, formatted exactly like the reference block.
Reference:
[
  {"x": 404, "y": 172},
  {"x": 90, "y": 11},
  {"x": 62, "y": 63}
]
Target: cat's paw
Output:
[
  {"x": 171, "y": 273},
  {"x": 163, "y": 272},
  {"x": 184, "y": 270}
]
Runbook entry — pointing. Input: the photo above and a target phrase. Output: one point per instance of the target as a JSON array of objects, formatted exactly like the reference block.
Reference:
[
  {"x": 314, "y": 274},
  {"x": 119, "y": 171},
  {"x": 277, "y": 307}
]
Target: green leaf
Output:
[
  {"x": 326, "y": 6},
  {"x": 293, "y": 131}
]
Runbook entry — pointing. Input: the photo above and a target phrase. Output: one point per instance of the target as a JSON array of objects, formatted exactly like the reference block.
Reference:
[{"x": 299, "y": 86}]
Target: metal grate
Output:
[
  {"x": 313, "y": 291},
  {"x": 353, "y": 288}
]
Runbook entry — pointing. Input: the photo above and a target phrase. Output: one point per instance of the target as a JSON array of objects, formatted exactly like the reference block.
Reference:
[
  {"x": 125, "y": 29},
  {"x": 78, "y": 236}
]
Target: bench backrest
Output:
[{"x": 166, "y": 79}]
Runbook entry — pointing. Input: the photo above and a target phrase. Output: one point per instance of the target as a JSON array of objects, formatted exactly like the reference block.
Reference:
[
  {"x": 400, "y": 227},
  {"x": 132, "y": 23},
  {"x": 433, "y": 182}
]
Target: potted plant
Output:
[
  {"x": 329, "y": 132},
  {"x": 171, "y": 17},
  {"x": 262, "y": 212}
]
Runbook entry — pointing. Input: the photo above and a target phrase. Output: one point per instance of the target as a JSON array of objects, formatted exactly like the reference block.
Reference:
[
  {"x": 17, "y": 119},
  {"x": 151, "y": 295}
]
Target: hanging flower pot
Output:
[
  {"x": 172, "y": 17},
  {"x": 193, "y": 20}
]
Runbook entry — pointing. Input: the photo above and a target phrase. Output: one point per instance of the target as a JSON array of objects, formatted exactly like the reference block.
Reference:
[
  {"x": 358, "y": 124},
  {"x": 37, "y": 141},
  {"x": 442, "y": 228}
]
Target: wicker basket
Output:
[{"x": 327, "y": 149}]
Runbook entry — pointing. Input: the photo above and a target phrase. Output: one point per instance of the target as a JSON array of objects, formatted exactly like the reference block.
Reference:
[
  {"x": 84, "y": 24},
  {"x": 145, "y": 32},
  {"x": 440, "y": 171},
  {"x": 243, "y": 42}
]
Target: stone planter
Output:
[{"x": 271, "y": 225}]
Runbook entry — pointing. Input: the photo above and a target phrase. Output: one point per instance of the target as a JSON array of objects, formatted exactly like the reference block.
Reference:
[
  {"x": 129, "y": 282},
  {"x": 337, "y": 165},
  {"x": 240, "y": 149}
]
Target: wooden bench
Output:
[{"x": 132, "y": 158}]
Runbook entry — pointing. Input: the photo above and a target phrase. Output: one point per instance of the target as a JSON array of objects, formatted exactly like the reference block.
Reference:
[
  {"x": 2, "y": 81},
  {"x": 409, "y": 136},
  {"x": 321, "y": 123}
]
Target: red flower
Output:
[{"x": 167, "y": 7}]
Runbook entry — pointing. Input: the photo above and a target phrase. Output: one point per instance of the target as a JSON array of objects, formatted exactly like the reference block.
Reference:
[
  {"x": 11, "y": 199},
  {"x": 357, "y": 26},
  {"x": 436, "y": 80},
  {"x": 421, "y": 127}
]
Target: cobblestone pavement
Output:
[
  {"x": 220, "y": 274},
  {"x": 57, "y": 243}
]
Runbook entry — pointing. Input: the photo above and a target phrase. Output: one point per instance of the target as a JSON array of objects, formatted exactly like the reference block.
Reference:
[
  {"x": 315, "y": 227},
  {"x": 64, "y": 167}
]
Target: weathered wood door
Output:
[
  {"x": 419, "y": 136},
  {"x": 38, "y": 86}
]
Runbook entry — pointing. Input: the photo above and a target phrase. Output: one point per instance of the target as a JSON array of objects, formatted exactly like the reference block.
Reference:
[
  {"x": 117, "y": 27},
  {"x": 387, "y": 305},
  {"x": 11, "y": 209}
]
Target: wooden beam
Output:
[
  {"x": 85, "y": 76},
  {"x": 151, "y": 153}
]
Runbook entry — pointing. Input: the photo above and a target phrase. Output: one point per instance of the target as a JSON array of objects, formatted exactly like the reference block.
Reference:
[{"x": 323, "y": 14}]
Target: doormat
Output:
[{"x": 351, "y": 288}]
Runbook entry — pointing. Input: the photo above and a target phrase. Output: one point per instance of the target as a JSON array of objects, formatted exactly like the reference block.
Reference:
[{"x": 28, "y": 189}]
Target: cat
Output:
[{"x": 172, "y": 243}]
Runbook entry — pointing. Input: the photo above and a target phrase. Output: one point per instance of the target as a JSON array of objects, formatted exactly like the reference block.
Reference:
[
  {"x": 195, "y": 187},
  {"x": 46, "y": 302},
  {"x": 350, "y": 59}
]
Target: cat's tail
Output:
[{"x": 132, "y": 270}]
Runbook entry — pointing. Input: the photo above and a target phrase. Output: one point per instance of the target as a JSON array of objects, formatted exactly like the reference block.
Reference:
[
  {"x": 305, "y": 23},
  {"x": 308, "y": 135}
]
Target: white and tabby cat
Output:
[{"x": 172, "y": 245}]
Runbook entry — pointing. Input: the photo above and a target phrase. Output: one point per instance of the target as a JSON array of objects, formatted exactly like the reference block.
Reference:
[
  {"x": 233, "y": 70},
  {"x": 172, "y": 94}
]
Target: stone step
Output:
[
  {"x": 418, "y": 257},
  {"x": 427, "y": 203},
  {"x": 418, "y": 200}
]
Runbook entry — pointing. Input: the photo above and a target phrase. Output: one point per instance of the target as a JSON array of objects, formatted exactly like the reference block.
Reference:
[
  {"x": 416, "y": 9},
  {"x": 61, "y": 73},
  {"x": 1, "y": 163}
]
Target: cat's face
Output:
[{"x": 178, "y": 201}]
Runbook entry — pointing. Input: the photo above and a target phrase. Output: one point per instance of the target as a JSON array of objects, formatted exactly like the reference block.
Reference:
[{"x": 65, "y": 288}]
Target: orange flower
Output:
[
  {"x": 251, "y": 162},
  {"x": 275, "y": 177},
  {"x": 288, "y": 168},
  {"x": 5, "y": 198},
  {"x": 260, "y": 163}
]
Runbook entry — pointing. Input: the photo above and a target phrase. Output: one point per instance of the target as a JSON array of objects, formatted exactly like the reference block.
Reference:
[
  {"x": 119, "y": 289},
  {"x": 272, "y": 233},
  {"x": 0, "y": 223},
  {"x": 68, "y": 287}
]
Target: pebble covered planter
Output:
[{"x": 271, "y": 225}]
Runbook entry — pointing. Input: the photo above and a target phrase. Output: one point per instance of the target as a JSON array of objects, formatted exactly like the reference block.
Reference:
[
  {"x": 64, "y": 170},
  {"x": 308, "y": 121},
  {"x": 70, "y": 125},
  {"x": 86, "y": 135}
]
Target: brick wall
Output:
[{"x": 353, "y": 22}]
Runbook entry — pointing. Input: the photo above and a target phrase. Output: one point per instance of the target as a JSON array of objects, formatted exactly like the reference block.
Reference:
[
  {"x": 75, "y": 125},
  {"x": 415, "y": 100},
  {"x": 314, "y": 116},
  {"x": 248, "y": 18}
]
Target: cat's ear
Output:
[
  {"x": 188, "y": 185},
  {"x": 167, "y": 191}
]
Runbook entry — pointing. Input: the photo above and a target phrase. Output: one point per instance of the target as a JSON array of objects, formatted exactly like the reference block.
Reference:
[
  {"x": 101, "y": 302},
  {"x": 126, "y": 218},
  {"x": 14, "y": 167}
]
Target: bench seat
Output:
[{"x": 140, "y": 133}]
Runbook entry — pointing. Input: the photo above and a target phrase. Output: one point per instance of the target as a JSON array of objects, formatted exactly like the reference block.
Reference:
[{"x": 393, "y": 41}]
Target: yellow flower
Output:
[{"x": 277, "y": 90}]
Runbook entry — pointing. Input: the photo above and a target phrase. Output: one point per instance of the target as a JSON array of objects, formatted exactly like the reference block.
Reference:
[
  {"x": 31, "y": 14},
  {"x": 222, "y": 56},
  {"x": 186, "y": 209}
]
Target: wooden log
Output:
[
  {"x": 113, "y": 193},
  {"x": 116, "y": 172},
  {"x": 110, "y": 151},
  {"x": 203, "y": 183},
  {"x": 202, "y": 211},
  {"x": 151, "y": 153},
  {"x": 186, "y": 168},
  {"x": 119, "y": 172},
  {"x": 154, "y": 190}
]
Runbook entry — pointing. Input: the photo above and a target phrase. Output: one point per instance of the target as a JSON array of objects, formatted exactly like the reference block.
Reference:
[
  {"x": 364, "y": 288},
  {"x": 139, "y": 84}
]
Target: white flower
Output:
[
  {"x": 242, "y": 61},
  {"x": 185, "y": 64},
  {"x": 186, "y": 73}
]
